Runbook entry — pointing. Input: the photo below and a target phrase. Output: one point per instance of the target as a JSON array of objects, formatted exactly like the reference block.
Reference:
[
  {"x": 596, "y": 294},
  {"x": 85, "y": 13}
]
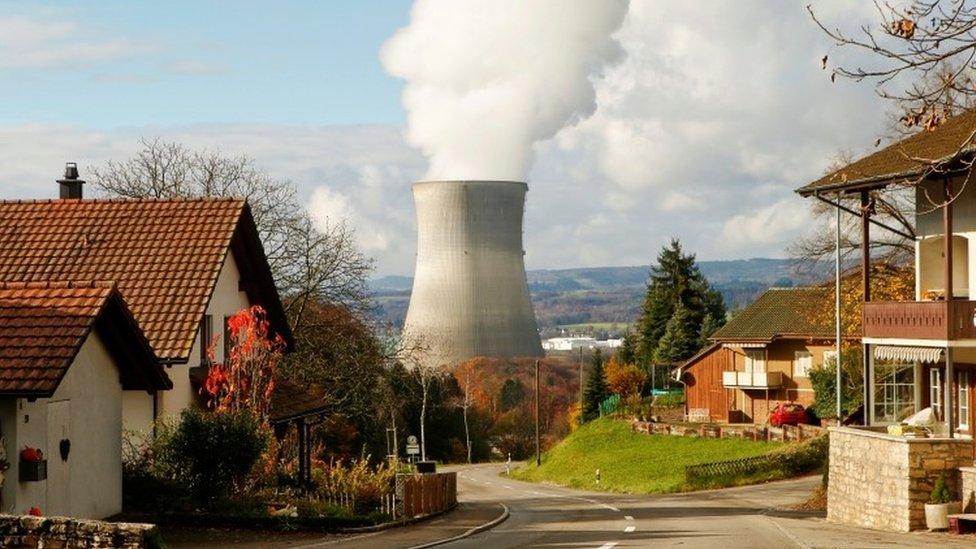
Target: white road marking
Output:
[
  {"x": 629, "y": 529},
  {"x": 507, "y": 487},
  {"x": 608, "y": 545},
  {"x": 628, "y": 517}
]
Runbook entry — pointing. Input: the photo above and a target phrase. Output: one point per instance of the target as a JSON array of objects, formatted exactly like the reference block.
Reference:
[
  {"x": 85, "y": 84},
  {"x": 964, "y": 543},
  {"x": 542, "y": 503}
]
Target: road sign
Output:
[{"x": 413, "y": 448}]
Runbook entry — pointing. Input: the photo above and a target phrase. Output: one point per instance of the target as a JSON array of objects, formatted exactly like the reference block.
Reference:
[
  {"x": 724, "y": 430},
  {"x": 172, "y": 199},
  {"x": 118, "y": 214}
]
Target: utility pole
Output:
[
  {"x": 581, "y": 377},
  {"x": 538, "y": 446}
]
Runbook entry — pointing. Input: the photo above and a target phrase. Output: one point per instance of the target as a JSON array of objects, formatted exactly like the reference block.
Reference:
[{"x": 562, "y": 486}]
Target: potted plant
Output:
[{"x": 940, "y": 506}]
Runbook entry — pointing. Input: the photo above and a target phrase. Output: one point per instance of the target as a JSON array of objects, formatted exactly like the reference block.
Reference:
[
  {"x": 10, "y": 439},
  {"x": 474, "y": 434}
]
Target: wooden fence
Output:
[
  {"x": 786, "y": 433},
  {"x": 425, "y": 494},
  {"x": 409, "y": 496},
  {"x": 743, "y": 466}
]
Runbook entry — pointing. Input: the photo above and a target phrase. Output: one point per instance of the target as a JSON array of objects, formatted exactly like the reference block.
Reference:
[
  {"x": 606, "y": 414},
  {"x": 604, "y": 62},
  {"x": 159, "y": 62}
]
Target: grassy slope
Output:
[{"x": 631, "y": 462}]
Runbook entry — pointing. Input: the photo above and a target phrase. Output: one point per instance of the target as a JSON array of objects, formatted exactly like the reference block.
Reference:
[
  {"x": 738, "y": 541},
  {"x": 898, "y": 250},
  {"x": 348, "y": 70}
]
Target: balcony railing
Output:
[
  {"x": 752, "y": 380},
  {"x": 944, "y": 320}
]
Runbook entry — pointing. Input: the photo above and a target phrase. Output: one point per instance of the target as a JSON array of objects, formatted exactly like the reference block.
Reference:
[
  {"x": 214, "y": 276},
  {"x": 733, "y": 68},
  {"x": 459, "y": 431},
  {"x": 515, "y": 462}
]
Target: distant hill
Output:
[{"x": 610, "y": 294}]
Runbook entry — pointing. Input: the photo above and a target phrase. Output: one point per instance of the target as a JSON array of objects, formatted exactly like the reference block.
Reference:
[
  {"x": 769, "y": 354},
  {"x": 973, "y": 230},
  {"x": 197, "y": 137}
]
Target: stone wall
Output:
[
  {"x": 967, "y": 488},
  {"x": 68, "y": 533},
  {"x": 881, "y": 481}
]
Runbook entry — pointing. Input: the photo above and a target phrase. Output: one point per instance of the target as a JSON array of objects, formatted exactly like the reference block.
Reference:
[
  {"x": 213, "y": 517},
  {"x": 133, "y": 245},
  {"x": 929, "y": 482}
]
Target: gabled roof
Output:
[
  {"x": 43, "y": 326},
  {"x": 908, "y": 158},
  {"x": 778, "y": 312},
  {"x": 163, "y": 255}
]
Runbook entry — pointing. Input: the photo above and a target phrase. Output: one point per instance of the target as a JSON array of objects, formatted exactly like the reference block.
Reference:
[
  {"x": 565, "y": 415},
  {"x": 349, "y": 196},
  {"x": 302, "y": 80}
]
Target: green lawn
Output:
[{"x": 631, "y": 462}]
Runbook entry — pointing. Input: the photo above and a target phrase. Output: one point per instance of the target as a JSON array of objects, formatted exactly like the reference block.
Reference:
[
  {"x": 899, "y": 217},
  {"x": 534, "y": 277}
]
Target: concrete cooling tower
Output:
[{"x": 470, "y": 296}]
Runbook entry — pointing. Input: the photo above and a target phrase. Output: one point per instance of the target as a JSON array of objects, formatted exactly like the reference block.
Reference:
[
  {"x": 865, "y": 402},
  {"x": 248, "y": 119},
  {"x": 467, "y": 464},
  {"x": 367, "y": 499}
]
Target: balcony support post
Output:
[
  {"x": 947, "y": 392},
  {"x": 866, "y": 211},
  {"x": 947, "y": 241}
]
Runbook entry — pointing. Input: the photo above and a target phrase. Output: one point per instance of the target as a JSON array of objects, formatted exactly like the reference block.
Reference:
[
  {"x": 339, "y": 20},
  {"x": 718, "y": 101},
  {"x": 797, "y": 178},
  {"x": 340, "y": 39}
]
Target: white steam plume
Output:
[{"x": 486, "y": 80}]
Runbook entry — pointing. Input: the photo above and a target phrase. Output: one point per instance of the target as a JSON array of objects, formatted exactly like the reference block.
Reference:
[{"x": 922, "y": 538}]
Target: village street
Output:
[{"x": 750, "y": 516}]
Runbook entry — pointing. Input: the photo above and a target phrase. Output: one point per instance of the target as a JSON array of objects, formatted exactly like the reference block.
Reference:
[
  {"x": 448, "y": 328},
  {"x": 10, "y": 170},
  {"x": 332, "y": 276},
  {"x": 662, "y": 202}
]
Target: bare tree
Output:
[
  {"x": 413, "y": 350},
  {"x": 895, "y": 209},
  {"x": 308, "y": 261},
  {"x": 465, "y": 404},
  {"x": 922, "y": 57}
]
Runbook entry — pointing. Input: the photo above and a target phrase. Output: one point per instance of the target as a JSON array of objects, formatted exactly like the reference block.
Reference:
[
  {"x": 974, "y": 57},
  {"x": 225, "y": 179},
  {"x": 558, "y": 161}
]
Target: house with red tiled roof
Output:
[
  {"x": 68, "y": 353},
  {"x": 183, "y": 266}
]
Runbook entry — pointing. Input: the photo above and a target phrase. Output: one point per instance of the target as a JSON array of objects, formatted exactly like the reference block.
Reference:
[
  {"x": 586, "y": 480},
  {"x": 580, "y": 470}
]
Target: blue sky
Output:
[
  {"x": 178, "y": 63},
  {"x": 695, "y": 123}
]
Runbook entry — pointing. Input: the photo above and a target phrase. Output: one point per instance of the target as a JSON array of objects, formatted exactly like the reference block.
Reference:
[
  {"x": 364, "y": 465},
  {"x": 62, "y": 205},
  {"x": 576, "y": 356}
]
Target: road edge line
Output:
[{"x": 476, "y": 530}]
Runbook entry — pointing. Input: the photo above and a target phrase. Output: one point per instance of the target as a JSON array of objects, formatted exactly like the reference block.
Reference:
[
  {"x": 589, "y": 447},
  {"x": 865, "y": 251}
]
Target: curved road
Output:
[{"x": 749, "y": 516}]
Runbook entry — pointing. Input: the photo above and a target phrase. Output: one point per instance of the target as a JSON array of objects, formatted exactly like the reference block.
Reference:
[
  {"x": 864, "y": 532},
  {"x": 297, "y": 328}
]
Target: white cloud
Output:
[
  {"x": 767, "y": 225},
  {"x": 28, "y": 43},
  {"x": 702, "y": 131},
  {"x": 195, "y": 67}
]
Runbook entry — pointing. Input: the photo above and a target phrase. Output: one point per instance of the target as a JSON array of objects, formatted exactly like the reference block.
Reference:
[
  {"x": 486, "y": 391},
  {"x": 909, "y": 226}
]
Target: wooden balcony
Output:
[
  {"x": 942, "y": 320},
  {"x": 752, "y": 380}
]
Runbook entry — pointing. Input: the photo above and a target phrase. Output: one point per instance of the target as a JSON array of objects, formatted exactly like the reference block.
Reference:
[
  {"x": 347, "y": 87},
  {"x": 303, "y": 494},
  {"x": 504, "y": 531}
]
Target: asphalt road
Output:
[{"x": 751, "y": 516}]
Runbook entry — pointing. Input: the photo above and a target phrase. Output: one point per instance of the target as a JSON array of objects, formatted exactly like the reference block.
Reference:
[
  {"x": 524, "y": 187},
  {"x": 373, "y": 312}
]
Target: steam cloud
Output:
[{"x": 486, "y": 80}]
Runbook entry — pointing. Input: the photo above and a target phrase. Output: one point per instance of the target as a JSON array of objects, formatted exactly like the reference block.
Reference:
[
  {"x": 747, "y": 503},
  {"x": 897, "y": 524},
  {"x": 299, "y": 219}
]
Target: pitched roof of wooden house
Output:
[
  {"x": 779, "y": 313},
  {"x": 163, "y": 255},
  {"x": 43, "y": 325},
  {"x": 904, "y": 160}
]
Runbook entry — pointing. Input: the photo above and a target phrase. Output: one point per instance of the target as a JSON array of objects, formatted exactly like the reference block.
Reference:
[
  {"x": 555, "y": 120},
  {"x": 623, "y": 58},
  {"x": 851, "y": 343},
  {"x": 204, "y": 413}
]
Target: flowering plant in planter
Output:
[{"x": 31, "y": 454}]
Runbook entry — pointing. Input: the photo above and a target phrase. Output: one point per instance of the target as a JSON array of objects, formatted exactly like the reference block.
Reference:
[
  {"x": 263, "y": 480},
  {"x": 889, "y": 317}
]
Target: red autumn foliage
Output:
[{"x": 245, "y": 381}]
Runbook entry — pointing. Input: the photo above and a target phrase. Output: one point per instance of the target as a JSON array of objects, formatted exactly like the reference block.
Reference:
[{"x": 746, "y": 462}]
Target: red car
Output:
[{"x": 788, "y": 414}]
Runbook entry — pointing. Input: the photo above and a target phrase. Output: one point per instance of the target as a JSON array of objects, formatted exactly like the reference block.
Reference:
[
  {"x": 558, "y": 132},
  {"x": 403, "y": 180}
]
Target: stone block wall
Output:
[
  {"x": 881, "y": 481},
  {"x": 68, "y": 533},
  {"x": 967, "y": 489}
]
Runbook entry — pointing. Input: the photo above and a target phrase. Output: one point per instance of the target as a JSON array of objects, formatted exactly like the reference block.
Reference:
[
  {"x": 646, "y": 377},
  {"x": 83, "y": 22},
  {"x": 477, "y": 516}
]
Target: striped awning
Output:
[{"x": 925, "y": 355}]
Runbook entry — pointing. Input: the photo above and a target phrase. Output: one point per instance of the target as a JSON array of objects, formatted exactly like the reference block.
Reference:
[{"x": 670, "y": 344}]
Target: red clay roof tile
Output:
[{"x": 163, "y": 255}]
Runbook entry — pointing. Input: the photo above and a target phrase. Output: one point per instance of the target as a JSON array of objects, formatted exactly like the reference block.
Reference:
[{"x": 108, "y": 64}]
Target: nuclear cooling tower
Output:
[{"x": 470, "y": 297}]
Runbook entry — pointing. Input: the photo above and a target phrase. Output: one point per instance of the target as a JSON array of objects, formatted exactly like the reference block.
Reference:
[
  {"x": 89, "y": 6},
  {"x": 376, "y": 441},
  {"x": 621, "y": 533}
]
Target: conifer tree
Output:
[
  {"x": 675, "y": 280},
  {"x": 595, "y": 390}
]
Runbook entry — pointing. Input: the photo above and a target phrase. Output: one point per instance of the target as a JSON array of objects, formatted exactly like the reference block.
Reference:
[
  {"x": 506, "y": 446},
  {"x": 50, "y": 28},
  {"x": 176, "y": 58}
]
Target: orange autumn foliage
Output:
[
  {"x": 888, "y": 283},
  {"x": 626, "y": 380},
  {"x": 245, "y": 381}
]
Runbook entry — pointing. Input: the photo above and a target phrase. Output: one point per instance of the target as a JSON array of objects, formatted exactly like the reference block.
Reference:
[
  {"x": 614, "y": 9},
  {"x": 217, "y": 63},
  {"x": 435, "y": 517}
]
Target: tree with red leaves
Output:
[{"x": 245, "y": 381}]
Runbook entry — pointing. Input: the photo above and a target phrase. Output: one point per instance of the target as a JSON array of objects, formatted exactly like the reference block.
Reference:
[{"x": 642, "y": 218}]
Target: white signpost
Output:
[{"x": 413, "y": 448}]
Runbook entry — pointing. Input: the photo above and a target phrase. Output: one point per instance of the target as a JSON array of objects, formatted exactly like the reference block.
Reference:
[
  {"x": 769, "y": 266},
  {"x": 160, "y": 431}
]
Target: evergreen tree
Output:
[
  {"x": 680, "y": 339},
  {"x": 595, "y": 391},
  {"x": 708, "y": 326},
  {"x": 627, "y": 353},
  {"x": 675, "y": 280}
]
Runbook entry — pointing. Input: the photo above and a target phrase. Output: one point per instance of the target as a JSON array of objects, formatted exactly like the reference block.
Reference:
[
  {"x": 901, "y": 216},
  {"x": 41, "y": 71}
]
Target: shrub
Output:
[
  {"x": 940, "y": 492},
  {"x": 213, "y": 453},
  {"x": 823, "y": 378},
  {"x": 674, "y": 399},
  {"x": 802, "y": 457},
  {"x": 365, "y": 483}
]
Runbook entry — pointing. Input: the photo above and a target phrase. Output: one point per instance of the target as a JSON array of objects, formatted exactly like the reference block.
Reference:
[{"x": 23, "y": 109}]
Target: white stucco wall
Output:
[
  {"x": 226, "y": 301},
  {"x": 93, "y": 470}
]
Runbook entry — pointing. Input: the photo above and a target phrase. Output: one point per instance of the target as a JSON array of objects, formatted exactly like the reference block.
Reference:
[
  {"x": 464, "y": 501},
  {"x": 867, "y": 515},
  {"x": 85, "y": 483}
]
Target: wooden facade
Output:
[{"x": 705, "y": 390}]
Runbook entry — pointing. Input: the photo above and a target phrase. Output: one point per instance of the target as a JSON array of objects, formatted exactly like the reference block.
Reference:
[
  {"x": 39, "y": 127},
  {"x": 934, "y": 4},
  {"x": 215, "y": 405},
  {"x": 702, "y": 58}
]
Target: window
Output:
[
  {"x": 935, "y": 391},
  {"x": 206, "y": 333},
  {"x": 227, "y": 341},
  {"x": 755, "y": 360},
  {"x": 802, "y": 362},
  {"x": 894, "y": 391},
  {"x": 964, "y": 400}
]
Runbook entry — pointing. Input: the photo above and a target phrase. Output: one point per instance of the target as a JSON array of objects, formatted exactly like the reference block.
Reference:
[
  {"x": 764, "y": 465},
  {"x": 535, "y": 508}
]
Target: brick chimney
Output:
[{"x": 70, "y": 186}]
